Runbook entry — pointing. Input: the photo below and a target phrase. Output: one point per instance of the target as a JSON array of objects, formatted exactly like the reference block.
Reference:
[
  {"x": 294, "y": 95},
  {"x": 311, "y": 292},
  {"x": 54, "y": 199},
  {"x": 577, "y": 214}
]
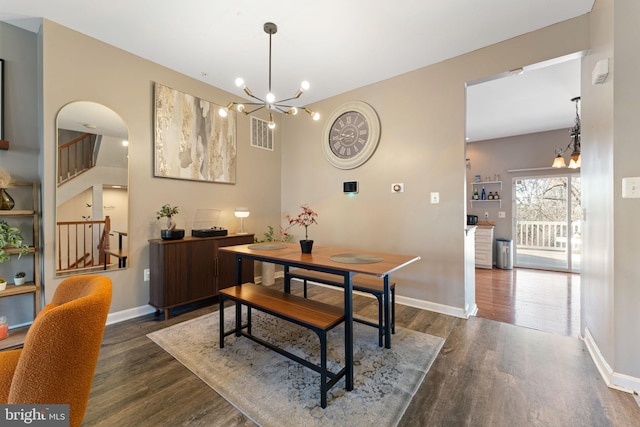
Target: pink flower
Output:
[{"x": 304, "y": 219}]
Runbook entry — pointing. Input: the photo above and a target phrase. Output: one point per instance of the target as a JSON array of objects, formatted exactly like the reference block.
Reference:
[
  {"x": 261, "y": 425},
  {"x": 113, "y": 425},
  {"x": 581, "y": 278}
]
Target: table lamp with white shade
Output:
[{"x": 241, "y": 213}]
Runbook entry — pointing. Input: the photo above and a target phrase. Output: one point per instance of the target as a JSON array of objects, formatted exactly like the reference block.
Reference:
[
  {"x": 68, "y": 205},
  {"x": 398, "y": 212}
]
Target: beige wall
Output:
[
  {"x": 611, "y": 294},
  {"x": 626, "y": 154},
  {"x": 124, "y": 83},
  {"x": 422, "y": 116}
]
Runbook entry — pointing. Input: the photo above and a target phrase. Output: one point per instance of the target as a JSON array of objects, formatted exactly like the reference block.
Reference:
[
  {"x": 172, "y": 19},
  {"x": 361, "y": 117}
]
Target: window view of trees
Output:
[{"x": 546, "y": 221}]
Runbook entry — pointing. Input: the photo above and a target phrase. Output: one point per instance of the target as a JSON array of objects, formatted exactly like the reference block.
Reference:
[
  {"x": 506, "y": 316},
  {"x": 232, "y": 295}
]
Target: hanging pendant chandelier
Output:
[
  {"x": 575, "y": 159},
  {"x": 269, "y": 102}
]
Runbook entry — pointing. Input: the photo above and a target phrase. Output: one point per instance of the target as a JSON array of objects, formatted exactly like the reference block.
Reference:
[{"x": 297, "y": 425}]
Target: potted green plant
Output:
[
  {"x": 170, "y": 233},
  {"x": 10, "y": 237},
  {"x": 304, "y": 219},
  {"x": 19, "y": 278}
]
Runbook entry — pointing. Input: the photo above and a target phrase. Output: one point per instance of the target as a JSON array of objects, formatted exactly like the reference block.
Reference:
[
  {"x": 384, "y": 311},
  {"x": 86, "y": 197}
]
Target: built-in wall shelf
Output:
[{"x": 490, "y": 187}]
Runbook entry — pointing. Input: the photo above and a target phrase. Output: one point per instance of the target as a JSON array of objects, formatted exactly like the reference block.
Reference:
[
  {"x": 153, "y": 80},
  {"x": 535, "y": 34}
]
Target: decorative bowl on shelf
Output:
[{"x": 172, "y": 234}]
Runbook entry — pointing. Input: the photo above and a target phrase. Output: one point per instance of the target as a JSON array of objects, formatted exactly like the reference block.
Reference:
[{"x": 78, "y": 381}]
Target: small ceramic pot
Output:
[
  {"x": 18, "y": 281},
  {"x": 172, "y": 234},
  {"x": 306, "y": 246}
]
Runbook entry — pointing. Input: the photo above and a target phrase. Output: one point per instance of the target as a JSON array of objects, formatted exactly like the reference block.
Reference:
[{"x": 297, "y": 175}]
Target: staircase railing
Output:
[
  {"x": 82, "y": 244},
  {"x": 75, "y": 157}
]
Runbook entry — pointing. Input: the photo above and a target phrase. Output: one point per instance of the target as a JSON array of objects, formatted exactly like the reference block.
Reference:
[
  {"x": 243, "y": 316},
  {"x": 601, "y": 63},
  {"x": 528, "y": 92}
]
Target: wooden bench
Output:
[
  {"x": 314, "y": 315},
  {"x": 362, "y": 283}
]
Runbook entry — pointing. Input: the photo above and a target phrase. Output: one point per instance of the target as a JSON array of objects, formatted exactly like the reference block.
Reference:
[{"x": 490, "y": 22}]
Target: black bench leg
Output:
[
  {"x": 238, "y": 318},
  {"x": 221, "y": 321},
  {"x": 393, "y": 310},
  {"x": 323, "y": 369},
  {"x": 380, "y": 319},
  {"x": 305, "y": 287}
]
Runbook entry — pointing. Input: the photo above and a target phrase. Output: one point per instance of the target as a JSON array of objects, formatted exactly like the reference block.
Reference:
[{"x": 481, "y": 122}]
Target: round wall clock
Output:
[{"x": 351, "y": 135}]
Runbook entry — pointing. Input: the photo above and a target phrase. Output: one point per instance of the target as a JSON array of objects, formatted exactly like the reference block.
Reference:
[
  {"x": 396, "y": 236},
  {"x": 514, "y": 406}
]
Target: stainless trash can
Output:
[{"x": 504, "y": 254}]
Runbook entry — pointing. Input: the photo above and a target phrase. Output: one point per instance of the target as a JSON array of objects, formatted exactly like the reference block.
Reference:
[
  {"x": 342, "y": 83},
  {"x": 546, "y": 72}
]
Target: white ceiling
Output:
[{"x": 336, "y": 45}]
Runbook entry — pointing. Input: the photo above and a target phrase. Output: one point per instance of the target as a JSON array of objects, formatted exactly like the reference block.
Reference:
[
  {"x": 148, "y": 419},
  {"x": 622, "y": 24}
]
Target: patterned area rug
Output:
[{"x": 272, "y": 390}]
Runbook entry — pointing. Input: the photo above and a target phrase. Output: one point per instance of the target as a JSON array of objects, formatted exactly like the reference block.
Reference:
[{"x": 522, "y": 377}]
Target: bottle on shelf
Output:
[
  {"x": 475, "y": 194},
  {"x": 496, "y": 196},
  {"x": 484, "y": 194},
  {"x": 490, "y": 195}
]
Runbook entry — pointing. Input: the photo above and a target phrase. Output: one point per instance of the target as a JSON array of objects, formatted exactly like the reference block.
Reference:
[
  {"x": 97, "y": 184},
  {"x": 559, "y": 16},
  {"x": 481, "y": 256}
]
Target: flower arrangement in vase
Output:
[
  {"x": 304, "y": 219},
  {"x": 170, "y": 233}
]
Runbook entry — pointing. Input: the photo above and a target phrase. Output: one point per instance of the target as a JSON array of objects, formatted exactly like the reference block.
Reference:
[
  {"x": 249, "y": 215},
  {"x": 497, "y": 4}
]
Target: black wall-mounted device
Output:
[{"x": 350, "y": 187}]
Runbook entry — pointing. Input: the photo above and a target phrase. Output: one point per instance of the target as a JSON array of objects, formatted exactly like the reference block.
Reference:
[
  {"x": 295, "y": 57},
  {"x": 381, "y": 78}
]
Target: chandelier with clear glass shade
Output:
[
  {"x": 575, "y": 160},
  {"x": 269, "y": 102}
]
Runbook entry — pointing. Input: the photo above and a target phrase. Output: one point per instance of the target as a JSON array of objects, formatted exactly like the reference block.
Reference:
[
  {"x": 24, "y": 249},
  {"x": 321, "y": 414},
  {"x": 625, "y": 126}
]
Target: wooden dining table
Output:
[{"x": 343, "y": 262}]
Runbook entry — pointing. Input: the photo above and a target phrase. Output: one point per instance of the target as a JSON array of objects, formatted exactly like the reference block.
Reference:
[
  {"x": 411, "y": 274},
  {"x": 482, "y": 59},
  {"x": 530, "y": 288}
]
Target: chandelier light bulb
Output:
[
  {"x": 315, "y": 116},
  {"x": 240, "y": 108},
  {"x": 240, "y": 83},
  {"x": 293, "y": 111},
  {"x": 270, "y": 98},
  {"x": 223, "y": 112},
  {"x": 304, "y": 86}
]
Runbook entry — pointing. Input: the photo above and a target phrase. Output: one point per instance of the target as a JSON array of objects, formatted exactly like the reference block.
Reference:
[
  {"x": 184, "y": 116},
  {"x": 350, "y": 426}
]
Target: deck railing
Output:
[{"x": 547, "y": 235}]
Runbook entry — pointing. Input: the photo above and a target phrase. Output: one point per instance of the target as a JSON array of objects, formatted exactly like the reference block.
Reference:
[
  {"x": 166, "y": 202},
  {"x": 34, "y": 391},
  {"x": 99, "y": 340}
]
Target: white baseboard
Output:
[
  {"x": 132, "y": 313},
  {"x": 463, "y": 313},
  {"x": 613, "y": 379}
]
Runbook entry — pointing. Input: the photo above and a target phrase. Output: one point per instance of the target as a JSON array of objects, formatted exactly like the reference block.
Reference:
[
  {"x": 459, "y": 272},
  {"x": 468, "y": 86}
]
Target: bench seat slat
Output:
[{"x": 314, "y": 313}]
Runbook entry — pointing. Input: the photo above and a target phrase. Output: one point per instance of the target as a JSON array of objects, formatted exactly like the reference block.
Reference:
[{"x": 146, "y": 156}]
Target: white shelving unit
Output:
[{"x": 492, "y": 186}]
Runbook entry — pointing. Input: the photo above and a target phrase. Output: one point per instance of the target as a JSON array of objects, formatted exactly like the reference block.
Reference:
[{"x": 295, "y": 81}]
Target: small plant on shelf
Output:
[
  {"x": 19, "y": 279},
  {"x": 10, "y": 237}
]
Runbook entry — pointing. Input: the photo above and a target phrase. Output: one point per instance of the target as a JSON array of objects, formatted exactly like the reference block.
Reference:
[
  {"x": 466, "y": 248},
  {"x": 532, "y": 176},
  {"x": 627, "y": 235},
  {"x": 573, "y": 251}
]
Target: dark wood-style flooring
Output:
[{"x": 488, "y": 373}]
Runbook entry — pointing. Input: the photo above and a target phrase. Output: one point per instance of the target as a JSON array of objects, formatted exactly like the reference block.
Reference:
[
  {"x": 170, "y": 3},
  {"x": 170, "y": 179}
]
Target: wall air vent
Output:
[{"x": 261, "y": 135}]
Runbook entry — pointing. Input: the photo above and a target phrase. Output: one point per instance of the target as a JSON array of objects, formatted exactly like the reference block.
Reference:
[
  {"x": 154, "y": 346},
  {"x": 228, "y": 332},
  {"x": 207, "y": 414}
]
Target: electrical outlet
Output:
[
  {"x": 146, "y": 274},
  {"x": 486, "y": 214},
  {"x": 501, "y": 214},
  {"x": 435, "y": 197}
]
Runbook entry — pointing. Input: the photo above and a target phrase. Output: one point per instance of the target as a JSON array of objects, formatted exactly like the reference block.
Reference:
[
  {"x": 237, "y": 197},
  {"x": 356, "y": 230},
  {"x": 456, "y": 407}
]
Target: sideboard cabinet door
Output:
[{"x": 192, "y": 269}]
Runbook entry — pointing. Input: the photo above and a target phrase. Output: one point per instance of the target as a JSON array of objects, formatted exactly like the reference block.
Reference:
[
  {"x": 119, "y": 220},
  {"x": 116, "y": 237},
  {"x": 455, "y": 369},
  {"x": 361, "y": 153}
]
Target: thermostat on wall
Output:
[{"x": 350, "y": 187}]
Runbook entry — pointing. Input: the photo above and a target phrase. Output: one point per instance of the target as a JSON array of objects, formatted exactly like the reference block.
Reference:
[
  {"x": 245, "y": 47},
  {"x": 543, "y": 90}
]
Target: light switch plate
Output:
[
  {"x": 435, "y": 197},
  {"x": 631, "y": 188},
  {"x": 501, "y": 214}
]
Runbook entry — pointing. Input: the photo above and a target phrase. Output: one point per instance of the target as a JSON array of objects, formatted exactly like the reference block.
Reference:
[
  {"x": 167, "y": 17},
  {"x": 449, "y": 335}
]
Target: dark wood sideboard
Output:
[{"x": 192, "y": 269}]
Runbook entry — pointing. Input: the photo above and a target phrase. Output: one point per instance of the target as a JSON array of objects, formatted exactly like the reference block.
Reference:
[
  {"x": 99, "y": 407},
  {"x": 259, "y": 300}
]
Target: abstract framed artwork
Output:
[{"x": 192, "y": 140}]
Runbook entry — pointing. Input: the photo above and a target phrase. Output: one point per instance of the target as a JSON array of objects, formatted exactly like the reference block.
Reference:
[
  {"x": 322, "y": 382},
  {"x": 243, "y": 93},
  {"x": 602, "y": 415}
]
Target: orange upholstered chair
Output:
[{"x": 60, "y": 353}]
